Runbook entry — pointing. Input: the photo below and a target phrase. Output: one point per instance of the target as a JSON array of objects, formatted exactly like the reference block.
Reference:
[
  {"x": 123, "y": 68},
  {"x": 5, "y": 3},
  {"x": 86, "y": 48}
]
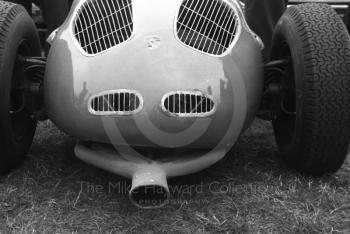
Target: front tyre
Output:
[
  {"x": 347, "y": 18},
  {"x": 313, "y": 124},
  {"x": 18, "y": 37}
]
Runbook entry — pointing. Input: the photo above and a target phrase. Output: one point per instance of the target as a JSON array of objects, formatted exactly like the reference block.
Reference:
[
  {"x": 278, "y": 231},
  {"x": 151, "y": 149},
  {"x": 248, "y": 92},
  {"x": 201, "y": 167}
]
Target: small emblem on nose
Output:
[{"x": 153, "y": 42}]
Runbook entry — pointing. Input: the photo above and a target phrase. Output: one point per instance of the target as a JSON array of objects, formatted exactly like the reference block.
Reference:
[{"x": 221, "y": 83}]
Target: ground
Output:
[{"x": 251, "y": 190}]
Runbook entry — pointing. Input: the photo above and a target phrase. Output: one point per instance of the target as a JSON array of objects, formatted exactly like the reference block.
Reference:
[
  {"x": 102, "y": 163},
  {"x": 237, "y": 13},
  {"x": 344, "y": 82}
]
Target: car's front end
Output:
[{"x": 127, "y": 77}]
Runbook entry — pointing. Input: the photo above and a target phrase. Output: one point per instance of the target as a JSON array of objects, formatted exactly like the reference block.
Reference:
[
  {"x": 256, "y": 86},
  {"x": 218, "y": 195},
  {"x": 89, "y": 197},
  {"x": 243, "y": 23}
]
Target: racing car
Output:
[{"x": 158, "y": 89}]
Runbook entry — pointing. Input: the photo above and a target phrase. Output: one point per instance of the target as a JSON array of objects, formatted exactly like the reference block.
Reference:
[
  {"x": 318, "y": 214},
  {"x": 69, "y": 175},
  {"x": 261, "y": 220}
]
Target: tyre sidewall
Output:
[
  {"x": 347, "y": 19},
  {"x": 286, "y": 33}
]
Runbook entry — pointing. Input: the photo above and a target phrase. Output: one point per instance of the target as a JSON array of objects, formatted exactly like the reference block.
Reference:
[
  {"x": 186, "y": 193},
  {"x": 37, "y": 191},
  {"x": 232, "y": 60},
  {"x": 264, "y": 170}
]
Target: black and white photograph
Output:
[{"x": 174, "y": 116}]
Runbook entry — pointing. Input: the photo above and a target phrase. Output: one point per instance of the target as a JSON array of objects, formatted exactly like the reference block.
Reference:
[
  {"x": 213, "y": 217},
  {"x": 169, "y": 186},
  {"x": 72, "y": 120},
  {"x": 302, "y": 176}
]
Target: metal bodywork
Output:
[{"x": 234, "y": 81}]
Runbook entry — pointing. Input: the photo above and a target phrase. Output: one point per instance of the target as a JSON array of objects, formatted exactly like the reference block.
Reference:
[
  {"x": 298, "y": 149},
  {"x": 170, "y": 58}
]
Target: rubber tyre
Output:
[
  {"x": 17, "y": 35},
  {"x": 315, "y": 137},
  {"x": 347, "y": 19}
]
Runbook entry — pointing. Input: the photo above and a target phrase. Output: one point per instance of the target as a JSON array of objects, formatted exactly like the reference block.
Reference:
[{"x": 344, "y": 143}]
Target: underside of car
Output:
[{"x": 152, "y": 96}]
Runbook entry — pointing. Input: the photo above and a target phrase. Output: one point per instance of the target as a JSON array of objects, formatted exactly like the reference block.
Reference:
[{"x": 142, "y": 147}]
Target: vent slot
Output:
[
  {"x": 119, "y": 102},
  {"x": 188, "y": 104},
  {"x": 209, "y": 26},
  {"x": 103, "y": 24}
]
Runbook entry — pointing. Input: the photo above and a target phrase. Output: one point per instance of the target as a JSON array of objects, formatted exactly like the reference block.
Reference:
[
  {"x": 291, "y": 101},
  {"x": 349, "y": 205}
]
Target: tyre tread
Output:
[{"x": 326, "y": 93}]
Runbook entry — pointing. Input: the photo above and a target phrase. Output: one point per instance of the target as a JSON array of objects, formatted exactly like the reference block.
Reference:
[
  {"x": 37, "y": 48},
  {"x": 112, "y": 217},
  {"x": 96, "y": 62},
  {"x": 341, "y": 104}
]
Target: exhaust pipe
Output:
[{"x": 149, "y": 188}]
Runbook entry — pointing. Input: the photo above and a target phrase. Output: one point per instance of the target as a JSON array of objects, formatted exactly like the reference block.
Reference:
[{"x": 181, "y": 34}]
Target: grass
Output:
[{"x": 251, "y": 190}]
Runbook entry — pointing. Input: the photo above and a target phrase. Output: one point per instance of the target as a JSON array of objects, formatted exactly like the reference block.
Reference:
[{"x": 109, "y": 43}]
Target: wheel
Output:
[
  {"x": 347, "y": 18},
  {"x": 313, "y": 124},
  {"x": 18, "y": 37}
]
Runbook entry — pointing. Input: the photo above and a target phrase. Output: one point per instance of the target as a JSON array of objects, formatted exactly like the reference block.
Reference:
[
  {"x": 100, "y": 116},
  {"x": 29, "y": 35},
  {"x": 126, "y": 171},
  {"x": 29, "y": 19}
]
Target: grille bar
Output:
[
  {"x": 209, "y": 26},
  {"x": 116, "y": 102},
  {"x": 103, "y": 24},
  {"x": 188, "y": 104}
]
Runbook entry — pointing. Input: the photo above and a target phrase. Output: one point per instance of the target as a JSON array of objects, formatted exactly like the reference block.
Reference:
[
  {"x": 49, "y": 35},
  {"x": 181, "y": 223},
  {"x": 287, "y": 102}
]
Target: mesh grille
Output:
[
  {"x": 188, "y": 104},
  {"x": 122, "y": 102},
  {"x": 209, "y": 26},
  {"x": 102, "y": 24}
]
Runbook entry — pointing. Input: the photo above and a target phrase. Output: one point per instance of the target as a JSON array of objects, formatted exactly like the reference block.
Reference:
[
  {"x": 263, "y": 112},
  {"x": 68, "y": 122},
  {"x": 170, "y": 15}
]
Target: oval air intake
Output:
[
  {"x": 188, "y": 104},
  {"x": 209, "y": 26},
  {"x": 103, "y": 24},
  {"x": 116, "y": 102}
]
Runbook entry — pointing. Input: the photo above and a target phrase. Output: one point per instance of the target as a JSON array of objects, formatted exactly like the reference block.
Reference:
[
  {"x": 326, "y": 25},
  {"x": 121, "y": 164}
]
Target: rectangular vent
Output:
[
  {"x": 188, "y": 104},
  {"x": 103, "y": 24},
  {"x": 120, "y": 102},
  {"x": 209, "y": 26}
]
